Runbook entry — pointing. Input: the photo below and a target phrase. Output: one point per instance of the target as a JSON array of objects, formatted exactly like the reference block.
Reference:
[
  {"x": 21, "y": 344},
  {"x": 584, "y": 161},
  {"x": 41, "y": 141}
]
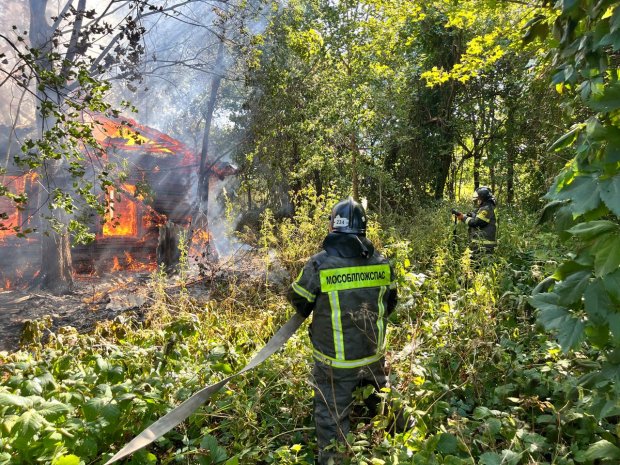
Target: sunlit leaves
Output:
[
  {"x": 603, "y": 449},
  {"x": 67, "y": 460},
  {"x": 607, "y": 100},
  {"x": 592, "y": 229},
  {"x": 583, "y": 192},
  {"x": 607, "y": 254},
  {"x": 30, "y": 422},
  {"x": 499, "y": 29}
]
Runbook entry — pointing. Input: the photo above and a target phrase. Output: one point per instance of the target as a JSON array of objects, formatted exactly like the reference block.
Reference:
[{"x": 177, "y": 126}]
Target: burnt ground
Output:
[
  {"x": 98, "y": 298},
  {"x": 93, "y": 299}
]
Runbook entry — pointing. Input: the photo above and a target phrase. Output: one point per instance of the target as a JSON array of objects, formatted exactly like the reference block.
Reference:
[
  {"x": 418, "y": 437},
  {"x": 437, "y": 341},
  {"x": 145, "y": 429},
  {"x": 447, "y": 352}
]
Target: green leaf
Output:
[
  {"x": 30, "y": 422},
  {"x": 536, "y": 27},
  {"x": 606, "y": 101},
  {"x": 8, "y": 421},
  {"x": 606, "y": 254},
  {"x": 610, "y": 193},
  {"x": 614, "y": 325},
  {"x": 493, "y": 425},
  {"x": 98, "y": 407},
  {"x": 447, "y": 443},
  {"x": 611, "y": 282},
  {"x": 13, "y": 400},
  {"x": 571, "y": 333},
  {"x": 53, "y": 409},
  {"x": 536, "y": 442},
  {"x": 602, "y": 449},
  {"x": 597, "y": 303},
  {"x": 583, "y": 192},
  {"x": 216, "y": 453},
  {"x": 567, "y": 139},
  {"x": 549, "y": 210},
  {"x": 592, "y": 229},
  {"x": 569, "y": 5},
  {"x": 481, "y": 413},
  {"x": 567, "y": 268},
  {"x": 547, "y": 302},
  {"x": 571, "y": 289},
  {"x": 111, "y": 412},
  {"x": 510, "y": 458},
  {"x": 490, "y": 458},
  {"x": 67, "y": 460},
  {"x": 570, "y": 328},
  {"x": 598, "y": 335}
]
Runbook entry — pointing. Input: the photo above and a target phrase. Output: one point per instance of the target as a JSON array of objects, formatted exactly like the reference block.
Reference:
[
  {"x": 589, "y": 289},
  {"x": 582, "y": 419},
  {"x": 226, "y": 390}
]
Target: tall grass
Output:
[{"x": 466, "y": 360}]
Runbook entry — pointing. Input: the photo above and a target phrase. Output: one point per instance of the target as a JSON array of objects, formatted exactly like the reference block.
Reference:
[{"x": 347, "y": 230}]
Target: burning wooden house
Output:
[{"x": 159, "y": 190}]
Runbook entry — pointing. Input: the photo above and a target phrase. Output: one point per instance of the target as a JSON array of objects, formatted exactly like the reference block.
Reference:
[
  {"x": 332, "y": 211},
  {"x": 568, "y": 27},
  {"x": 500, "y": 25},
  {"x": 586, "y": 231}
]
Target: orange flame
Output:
[
  {"x": 200, "y": 243},
  {"x": 128, "y": 135},
  {"x": 7, "y": 284},
  {"x": 16, "y": 185},
  {"x": 122, "y": 218},
  {"x": 116, "y": 266}
]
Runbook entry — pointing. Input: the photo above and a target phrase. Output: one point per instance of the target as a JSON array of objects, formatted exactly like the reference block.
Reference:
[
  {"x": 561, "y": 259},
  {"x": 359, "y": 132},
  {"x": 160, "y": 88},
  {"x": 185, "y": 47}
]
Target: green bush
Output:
[{"x": 466, "y": 359}]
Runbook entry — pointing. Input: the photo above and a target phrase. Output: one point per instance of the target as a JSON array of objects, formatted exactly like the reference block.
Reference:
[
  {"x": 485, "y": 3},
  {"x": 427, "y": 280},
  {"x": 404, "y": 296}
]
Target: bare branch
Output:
[
  {"x": 73, "y": 42},
  {"x": 62, "y": 14}
]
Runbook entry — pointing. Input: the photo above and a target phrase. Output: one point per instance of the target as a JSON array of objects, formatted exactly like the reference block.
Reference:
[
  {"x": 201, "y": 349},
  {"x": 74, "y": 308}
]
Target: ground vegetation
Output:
[{"x": 514, "y": 360}]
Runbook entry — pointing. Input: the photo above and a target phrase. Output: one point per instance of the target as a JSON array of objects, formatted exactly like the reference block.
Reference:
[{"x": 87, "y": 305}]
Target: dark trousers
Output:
[{"x": 333, "y": 400}]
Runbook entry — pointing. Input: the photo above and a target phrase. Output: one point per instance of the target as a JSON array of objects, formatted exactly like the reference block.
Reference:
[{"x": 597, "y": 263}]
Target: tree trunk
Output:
[
  {"x": 168, "y": 252},
  {"x": 477, "y": 163},
  {"x": 445, "y": 160},
  {"x": 510, "y": 175},
  {"x": 354, "y": 174},
  {"x": 318, "y": 182},
  {"x": 205, "y": 169},
  {"x": 56, "y": 263}
]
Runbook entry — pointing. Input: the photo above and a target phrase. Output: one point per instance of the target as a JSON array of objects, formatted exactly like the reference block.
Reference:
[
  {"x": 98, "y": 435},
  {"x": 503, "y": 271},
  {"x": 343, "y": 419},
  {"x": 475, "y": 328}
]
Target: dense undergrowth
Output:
[{"x": 482, "y": 382}]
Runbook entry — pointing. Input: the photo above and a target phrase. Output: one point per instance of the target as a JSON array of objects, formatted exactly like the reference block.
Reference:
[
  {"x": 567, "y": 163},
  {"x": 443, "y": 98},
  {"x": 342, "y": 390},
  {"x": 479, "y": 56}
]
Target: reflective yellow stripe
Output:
[
  {"x": 356, "y": 277},
  {"x": 483, "y": 215},
  {"x": 346, "y": 363},
  {"x": 468, "y": 219},
  {"x": 380, "y": 322},
  {"x": 484, "y": 242},
  {"x": 337, "y": 325},
  {"x": 304, "y": 293}
]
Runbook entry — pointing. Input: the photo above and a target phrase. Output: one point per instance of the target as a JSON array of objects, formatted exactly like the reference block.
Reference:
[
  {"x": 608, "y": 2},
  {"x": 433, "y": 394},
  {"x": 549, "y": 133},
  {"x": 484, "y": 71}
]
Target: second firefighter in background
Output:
[{"x": 482, "y": 223}]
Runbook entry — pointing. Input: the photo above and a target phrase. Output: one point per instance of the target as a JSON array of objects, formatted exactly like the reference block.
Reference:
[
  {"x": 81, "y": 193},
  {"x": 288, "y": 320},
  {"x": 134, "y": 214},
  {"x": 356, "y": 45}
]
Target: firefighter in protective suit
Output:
[
  {"x": 482, "y": 223},
  {"x": 349, "y": 287}
]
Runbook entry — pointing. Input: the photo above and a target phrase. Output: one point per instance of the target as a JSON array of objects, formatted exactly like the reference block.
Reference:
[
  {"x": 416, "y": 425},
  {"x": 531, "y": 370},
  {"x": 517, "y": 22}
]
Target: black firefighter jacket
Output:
[
  {"x": 350, "y": 287},
  {"x": 483, "y": 225}
]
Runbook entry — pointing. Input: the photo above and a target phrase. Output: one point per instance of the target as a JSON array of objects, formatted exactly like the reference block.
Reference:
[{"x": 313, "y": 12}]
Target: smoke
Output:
[
  {"x": 177, "y": 74},
  {"x": 171, "y": 95}
]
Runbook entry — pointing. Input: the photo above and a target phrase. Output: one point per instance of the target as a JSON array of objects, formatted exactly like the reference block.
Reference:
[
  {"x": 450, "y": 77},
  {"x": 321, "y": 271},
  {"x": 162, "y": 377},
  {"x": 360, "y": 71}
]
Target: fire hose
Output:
[{"x": 180, "y": 413}]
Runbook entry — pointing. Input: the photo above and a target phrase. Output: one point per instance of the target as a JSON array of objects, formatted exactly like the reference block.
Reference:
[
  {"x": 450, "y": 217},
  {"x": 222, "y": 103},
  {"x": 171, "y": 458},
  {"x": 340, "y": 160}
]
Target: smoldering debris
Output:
[{"x": 126, "y": 293}]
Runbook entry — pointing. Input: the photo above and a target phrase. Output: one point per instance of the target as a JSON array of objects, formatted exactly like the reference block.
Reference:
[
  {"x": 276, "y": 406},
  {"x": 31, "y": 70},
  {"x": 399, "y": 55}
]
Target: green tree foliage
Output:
[
  {"x": 394, "y": 100},
  {"x": 583, "y": 304}
]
